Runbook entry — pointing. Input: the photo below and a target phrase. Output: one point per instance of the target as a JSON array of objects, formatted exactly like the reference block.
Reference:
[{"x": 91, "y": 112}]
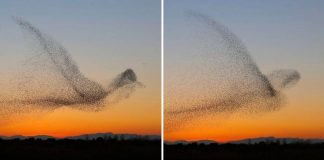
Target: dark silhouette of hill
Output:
[
  {"x": 93, "y": 136},
  {"x": 263, "y": 150},
  {"x": 286, "y": 140},
  {"x": 101, "y": 147}
]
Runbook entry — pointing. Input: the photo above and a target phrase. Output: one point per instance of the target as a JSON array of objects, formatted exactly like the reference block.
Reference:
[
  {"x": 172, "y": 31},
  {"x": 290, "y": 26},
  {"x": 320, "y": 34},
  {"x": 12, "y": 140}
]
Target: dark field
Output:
[
  {"x": 52, "y": 149},
  {"x": 261, "y": 151}
]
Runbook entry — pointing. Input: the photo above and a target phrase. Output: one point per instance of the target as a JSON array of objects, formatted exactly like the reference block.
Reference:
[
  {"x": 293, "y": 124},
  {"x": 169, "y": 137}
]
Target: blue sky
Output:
[
  {"x": 104, "y": 37},
  {"x": 280, "y": 34},
  {"x": 100, "y": 35},
  {"x": 285, "y": 31}
]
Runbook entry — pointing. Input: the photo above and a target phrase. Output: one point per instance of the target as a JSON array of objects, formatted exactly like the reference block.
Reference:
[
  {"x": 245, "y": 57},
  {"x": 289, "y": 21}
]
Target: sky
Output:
[
  {"x": 278, "y": 34},
  {"x": 107, "y": 37},
  {"x": 104, "y": 38}
]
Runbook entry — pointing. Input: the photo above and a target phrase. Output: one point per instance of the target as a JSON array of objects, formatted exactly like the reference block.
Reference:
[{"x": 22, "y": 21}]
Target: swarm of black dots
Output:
[
  {"x": 218, "y": 76},
  {"x": 61, "y": 82}
]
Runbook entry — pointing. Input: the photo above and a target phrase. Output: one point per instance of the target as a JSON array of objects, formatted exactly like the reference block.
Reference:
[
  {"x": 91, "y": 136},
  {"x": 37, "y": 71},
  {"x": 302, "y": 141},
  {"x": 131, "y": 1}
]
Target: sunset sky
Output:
[
  {"x": 278, "y": 34},
  {"x": 104, "y": 38}
]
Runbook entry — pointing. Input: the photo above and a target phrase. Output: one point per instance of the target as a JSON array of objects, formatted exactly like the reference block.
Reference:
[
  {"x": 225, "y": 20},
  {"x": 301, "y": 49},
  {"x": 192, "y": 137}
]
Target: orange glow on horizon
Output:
[
  {"x": 138, "y": 114},
  {"x": 300, "y": 118}
]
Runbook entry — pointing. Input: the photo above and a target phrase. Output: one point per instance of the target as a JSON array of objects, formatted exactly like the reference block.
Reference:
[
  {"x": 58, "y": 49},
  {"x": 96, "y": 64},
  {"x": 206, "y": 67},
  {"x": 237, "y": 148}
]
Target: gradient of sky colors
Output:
[
  {"x": 279, "y": 34},
  {"x": 104, "y": 38}
]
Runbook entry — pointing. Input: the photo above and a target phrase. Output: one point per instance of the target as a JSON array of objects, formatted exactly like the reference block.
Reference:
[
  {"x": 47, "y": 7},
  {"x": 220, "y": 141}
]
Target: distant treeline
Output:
[
  {"x": 100, "y": 148},
  {"x": 257, "y": 151}
]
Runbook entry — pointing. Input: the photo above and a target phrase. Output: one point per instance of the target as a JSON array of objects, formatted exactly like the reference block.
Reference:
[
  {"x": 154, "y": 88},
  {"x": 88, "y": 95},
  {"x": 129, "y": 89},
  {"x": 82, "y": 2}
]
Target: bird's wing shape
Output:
[{"x": 83, "y": 87}]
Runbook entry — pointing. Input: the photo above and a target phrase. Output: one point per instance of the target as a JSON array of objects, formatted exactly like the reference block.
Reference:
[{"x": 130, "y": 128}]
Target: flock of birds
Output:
[
  {"x": 60, "y": 71},
  {"x": 221, "y": 78}
]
